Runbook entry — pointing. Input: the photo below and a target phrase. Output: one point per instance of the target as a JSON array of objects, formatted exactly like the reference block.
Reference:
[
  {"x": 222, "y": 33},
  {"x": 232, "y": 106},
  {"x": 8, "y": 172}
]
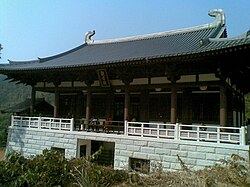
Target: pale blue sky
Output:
[{"x": 41, "y": 28}]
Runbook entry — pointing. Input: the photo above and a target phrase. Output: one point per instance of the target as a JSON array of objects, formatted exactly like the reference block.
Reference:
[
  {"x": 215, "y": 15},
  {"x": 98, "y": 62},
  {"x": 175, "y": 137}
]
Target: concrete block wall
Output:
[
  {"x": 196, "y": 155},
  {"x": 158, "y": 151},
  {"x": 33, "y": 141}
]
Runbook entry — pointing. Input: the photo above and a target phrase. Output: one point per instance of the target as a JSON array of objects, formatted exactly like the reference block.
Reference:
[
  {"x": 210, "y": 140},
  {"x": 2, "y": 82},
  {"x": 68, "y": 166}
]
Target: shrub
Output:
[{"x": 48, "y": 169}]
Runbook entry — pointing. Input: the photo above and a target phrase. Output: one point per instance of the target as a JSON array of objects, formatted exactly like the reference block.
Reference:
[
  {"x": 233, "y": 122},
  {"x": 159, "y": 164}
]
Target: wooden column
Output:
[
  {"x": 173, "y": 115},
  {"x": 88, "y": 81},
  {"x": 126, "y": 103},
  {"x": 187, "y": 107},
  {"x": 126, "y": 78},
  {"x": 33, "y": 101},
  {"x": 88, "y": 105},
  {"x": 109, "y": 104},
  {"x": 56, "y": 107},
  {"x": 223, "y": 106},
  {"x": 144, "y": 103}
]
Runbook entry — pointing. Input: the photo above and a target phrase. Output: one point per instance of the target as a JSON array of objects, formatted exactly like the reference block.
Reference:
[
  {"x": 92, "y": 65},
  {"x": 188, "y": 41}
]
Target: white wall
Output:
[{"x": 196, "y": 154}]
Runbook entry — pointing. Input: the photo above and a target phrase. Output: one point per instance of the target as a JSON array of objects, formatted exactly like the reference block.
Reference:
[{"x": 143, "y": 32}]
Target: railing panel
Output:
[
  {"x": 216, "y": 134},
  {"x": 42, "y": 123}
]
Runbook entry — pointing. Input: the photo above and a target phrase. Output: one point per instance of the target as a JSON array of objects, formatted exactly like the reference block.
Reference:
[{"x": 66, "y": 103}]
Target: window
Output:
[{"x": 140, "y": 165}]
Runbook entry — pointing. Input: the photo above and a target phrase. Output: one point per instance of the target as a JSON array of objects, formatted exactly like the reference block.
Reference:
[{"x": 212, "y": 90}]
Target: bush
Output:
[
  {"x": 89, "y": 174},
  {"x": 52, "y": 169},
  {"x": 48, "y": 169}
]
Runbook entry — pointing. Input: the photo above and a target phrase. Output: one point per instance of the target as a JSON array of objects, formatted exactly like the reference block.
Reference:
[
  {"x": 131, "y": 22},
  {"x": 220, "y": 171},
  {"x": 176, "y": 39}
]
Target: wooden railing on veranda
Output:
[
  {"x": 216, "y": 134},
  {"x": 199, "y": 133},
  {"x": 62, "y": 124}
]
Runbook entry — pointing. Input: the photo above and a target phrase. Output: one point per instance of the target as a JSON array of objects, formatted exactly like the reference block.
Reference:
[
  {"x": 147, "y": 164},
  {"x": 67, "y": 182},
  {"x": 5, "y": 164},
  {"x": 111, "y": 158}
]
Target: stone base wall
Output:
[
  {"x": 158, "y": 151},
  {"x": 164, "y": 152},
  {"x": 32, "y": 141}
]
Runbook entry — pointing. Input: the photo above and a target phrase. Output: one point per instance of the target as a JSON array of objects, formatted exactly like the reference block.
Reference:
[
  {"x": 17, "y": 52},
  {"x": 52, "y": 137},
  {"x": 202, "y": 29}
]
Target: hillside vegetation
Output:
[{"x": 52, "y": 169}]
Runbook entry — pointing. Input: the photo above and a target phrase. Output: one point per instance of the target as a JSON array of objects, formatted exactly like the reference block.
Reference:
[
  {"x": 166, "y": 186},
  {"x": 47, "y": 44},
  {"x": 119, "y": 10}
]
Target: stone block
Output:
[
  {"x": 133, "y": 148},
  {"x": 205, "y": 163},
  {"x": 155, "y": 157},
  {"x": 59, "y": 135},
  {"x": 170, "y": 159},
  {"x": 50, "y": 134},
  {"x": 225, "y": 151},
  {"x": 140, "y": 155},
  {"x": 31, "y": 141},
  {"x": 175, "y": 166},
  {"x": 37, "y": 137},
  {"x": 205, "y": 149},
  {"x": 189, "y": 161},
  {"x": 214, "y": 157},
  {"x": 126, "y": 153},
  {"x": 197, "y": 155},
  {"x": 121, "y": 146},
  {"x": 53, "y": 139},
  {"x": 127, "y": 142},
  {"x": 40, "y": 142},
  {"x": 155, "y": 144},
  {"x": 36, "y": 147},
  {"x": 140, "y": 143},
  {"x": 148, "y": 150},
  {"x": 49, "y": 144},
  {"x": 244, "y": 154},
  {"x": 180, "y": 153},
  {"x": 184, "y": 147},
  {"x": 28, "y": 136},
  {"x": 162, "y": 151},
  {"x": 170, "y": 145}
]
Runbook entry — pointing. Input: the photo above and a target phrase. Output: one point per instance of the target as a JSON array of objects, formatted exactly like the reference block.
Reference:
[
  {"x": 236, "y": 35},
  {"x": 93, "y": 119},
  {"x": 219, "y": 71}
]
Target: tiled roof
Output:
[{"x": 166, "y": 44}]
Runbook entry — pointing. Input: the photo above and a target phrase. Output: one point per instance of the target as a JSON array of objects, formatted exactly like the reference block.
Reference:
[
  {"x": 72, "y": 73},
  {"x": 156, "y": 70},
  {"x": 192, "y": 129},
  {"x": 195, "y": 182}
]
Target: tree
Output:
[{"x": 0, "y": 50}]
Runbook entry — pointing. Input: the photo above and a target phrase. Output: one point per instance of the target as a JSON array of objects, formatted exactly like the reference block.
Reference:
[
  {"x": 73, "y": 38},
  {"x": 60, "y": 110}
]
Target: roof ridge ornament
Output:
[
  {"x": 88, "y": 36},
  {"x": 219, "y": 15}
]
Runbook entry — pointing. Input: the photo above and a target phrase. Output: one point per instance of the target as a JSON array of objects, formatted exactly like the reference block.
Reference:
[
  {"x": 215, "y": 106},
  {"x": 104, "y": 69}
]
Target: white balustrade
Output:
[
  {"x": 216, "y": 134},
  {"x": 199, "y": 133},
  {"x": 43, "y": 123}
]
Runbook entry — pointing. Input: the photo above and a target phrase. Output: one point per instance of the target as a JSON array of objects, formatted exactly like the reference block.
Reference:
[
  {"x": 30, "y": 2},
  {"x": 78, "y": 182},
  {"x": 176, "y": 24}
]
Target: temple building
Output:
[{"x": 189, "y": 76}]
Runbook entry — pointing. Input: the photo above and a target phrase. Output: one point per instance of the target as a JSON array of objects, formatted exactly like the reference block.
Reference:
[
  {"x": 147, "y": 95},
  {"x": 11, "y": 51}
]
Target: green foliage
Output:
[
  {"x": 247, "y": 105},
  {"x": 87, "y": 173},
  {"x": 49, "y": 169},
  {"x": 52, "y": 169}
]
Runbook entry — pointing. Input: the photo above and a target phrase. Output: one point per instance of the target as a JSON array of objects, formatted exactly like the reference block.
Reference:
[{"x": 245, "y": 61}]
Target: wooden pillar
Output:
[
  {"x": 173, "y": 115},
  {"x": 33, "y": 101},
  {"x": 126, "y": 78},
  {"x": 144, "y": 103},
  {"x": 187, "y": 107},
  {"x": 88, "y": 105},
  {"x": 56, "y": 107},
  {"x": 243, "y": 110},
  {"x": 223, "y": 106},
  {"x": 126, "y": 103},
  {"x": 109, "y": 104}
]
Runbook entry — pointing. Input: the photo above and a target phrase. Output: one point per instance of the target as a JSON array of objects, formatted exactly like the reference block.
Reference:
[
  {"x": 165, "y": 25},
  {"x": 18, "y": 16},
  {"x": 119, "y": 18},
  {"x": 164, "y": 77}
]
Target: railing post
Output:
[
  {"x": 243, "y": 135},
  {"x": 39, "y": 123},
  {"x": 218, "y": 135},
  {"x": 198, "y": 134},
  {"x": 72, "y": 124},
  {"x": 125, "y": 127},
  {"x": 12, "y": 120},
  {"x": 177, "y": 131}
]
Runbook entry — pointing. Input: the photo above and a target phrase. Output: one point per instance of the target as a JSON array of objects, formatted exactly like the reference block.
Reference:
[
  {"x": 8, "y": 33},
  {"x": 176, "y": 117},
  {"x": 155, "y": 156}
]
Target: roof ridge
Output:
[{"x": 219, "y": 21}]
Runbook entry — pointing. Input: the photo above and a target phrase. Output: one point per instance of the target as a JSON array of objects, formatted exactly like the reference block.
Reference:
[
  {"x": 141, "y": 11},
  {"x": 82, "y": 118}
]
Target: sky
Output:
[{"x": 41, "y": 28}]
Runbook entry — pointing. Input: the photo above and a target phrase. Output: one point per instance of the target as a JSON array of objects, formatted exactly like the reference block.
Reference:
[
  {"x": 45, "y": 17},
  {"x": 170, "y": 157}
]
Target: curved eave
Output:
[{"x": 141, "y": 60}]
